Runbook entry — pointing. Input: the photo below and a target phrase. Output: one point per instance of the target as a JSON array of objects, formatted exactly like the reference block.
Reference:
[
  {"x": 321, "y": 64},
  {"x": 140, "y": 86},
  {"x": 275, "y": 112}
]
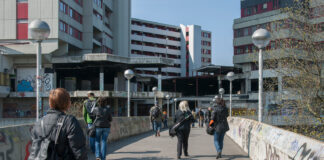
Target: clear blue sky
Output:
[{"x": 214, "y": 15}]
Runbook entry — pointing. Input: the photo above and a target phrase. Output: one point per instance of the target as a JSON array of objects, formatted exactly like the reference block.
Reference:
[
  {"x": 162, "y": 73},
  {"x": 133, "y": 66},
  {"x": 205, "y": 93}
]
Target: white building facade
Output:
[{"x": 189, "y": 47}]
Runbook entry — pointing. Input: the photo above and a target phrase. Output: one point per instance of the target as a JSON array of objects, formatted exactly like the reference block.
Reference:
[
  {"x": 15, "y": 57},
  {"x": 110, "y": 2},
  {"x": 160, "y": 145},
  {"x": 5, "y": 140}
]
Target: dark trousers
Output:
[{"x": 183, "y": 136}]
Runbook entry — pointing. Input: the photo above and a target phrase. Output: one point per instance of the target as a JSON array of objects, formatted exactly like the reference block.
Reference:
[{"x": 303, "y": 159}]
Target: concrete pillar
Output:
[
  {"x": 160, "y": 100},
  {"x": 54, "y": 80},
  {"x": 135, "y": 108},
  {"x": 115, "y": 107},
  {"x": 242, "y": 90},
  {"x": 159, "y": 80},
  {"x": 142, "y": 85},
  {"x": 115, "y": 83},
  {"x": 247, "y": 85},
  {"x": 219, "y": 82},
  {"x": 101, "y": 79}
]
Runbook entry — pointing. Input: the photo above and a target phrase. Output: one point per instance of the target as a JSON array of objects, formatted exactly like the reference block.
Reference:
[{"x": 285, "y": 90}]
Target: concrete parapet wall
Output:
[
  {"x": 265, "y": 142},
  {"x": 15, "y": 141}
]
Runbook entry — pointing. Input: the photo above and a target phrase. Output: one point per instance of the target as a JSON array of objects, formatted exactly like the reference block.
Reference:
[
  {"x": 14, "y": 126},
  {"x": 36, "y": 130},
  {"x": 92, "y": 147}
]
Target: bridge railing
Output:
[
  {"x": 262, "y": 141},
  {"x": 15, "y": 141}
]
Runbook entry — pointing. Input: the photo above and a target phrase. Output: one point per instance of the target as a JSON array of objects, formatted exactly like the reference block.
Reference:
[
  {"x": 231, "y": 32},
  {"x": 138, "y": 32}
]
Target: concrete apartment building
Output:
[
  {"x": 88, "y": 49},
  {"x": 263, "y": 14},
  {"x": 189, "y": 46}
]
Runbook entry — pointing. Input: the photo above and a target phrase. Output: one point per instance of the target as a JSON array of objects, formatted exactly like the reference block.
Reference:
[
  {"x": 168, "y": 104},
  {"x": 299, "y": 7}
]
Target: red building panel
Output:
[
  {"x": 22, "y": 10},
  {"x": 22, "y": 31}
]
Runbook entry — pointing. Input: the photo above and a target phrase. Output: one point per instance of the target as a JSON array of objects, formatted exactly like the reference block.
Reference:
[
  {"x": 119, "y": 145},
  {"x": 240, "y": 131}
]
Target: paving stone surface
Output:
[{"x": 149, "y": 147}]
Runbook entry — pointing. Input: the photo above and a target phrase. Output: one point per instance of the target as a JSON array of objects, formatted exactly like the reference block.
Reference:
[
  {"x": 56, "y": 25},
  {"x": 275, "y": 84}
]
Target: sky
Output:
[{"x": 213, "y": 15}]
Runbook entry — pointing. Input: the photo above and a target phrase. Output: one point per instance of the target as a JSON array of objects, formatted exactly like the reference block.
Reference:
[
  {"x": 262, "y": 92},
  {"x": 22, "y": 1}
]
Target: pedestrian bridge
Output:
[{"x": 132, "y": 139}]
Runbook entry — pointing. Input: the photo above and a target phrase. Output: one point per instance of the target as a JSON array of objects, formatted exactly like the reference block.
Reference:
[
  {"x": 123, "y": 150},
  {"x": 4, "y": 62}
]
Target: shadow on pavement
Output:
[
  {"x": 234, "y": 157},
  {"x": 146, "y": 152},
  {"x": 127, "y": 141}
]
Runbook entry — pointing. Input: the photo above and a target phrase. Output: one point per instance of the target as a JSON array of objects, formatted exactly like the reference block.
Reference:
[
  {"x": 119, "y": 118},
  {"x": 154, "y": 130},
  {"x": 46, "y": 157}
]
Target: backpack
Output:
[
  {"x": 156, "y": 112},
  {"x": 45, "y": 149},
  {"x": 90, "y": 105}
]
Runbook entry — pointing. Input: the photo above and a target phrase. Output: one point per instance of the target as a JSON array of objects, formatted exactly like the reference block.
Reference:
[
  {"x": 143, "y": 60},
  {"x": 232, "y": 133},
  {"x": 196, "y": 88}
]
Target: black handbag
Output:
[
  {"x": 173, "y": 129},
  {"x": 210, "y": 130},
  {"x": 92, "y": 130}
]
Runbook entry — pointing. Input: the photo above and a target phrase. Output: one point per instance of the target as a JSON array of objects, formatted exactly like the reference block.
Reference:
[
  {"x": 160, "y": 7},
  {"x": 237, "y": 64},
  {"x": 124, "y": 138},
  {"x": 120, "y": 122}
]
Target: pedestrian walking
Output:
[
  {"x": 165, "y": 119},
  {"x": 183, "y": 130},
  {"x": 56, "y": 134},
  {"x": 201, "y": 118},
  {"x": 220, "y": 124},
  {"x": 208, "y": 115},
  {"x": 102, "y": 124},
  {"x": 156, "y": 118},
  {"x": 88, "y": 107},
  {"x": 194, "y": 117}
]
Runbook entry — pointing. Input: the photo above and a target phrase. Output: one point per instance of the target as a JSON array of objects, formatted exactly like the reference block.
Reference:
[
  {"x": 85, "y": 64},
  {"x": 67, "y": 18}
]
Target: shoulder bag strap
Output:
[{"x": 59, "y": 127}]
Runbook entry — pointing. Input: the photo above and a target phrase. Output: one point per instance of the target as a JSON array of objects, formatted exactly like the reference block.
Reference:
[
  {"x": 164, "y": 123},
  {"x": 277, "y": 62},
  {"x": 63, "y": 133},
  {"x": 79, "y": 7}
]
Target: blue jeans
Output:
[
  {"x": 165, "y": 124},
  {"x": 101, "y": 142},
  {"x": 219, "y": 141},
  {"x": 156, "y": 126},
  {"x": 91, "y": 141}
]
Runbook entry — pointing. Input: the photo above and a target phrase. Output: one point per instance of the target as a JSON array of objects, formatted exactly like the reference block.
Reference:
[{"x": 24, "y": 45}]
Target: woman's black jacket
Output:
[
  {"x": 71, "y": 141},
  {"x": 219, "y": 116},
  {"x": 180, "y": 115},
  {"x": 103, "y": 117}
]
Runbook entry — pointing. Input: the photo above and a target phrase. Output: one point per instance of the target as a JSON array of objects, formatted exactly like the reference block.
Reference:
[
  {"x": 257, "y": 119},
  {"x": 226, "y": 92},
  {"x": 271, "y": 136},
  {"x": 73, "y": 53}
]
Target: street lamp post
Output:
[
  {"x": 168, "y": 102},
  {"x": 221, "y": 92},
  {"x": 39, "y": 31},
  {"x": 175, "y": 105},
  {"x": 261, "y": 39},
  {"x": 129, "y": 74},
  {"x": 154, "y": 89},
  {"x": 230, "y": 77}
]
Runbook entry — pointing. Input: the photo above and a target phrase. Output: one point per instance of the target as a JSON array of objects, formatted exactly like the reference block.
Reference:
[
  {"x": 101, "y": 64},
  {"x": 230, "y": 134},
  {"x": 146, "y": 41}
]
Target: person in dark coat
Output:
[
  {"x": 102, "y": 123},
  {"x": 208, "y": 115},
  {"x": 71, "y": 143},
  {"x": 184, "y": 130},
  {"x": 219, "y": 122}
]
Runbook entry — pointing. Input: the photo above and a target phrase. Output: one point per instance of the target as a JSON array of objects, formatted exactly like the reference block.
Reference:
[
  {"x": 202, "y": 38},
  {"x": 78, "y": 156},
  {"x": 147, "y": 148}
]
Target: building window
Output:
[
  {"x": 75, "y": 15},
  {"x": 99, "y": 16},
  {"x": 63, "y": 27},
  {"x": 264, "y": 6},
  {"x": 98, "y": 3},
  {"x": 63, "y": 7}
]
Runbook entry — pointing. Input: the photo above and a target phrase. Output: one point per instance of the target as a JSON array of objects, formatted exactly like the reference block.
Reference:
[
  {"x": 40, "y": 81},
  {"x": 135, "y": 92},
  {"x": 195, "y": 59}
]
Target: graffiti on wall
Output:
[
  {"x": 26, "y": 85},
  {"x": 6, "y": 146},
  {"x": 304, "y": 153},
  {"x": 48, "y": 81}
]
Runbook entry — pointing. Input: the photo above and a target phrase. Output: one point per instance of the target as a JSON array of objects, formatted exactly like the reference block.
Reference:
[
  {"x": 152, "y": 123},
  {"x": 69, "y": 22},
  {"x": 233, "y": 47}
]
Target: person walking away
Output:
[
  {"x": 156, "y": 118},
  {"x": 219, "y": 122},
  {"x": 194, "y": 117},
  {"x": 102, "y": 124},
  {"x": 165, "y": 119},
  {"x": 61, "y": 132},
  {"x": 201, "y": 118},
  {"x": 208, "y": 115},
  {"x": 184, "y": 130},
  {"x": 88, "y": 107}
]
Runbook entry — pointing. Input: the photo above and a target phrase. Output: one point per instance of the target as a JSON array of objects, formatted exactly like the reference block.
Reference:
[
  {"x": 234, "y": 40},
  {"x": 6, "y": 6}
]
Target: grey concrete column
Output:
[
  {"x": 115, "y": 107},
  {"x": 159, "y": 80},
  {"x": 172, "y": 110},
  {"x": 101, "y": 79},
  {"x": 115, "y": 83},
  {"x": 219, "y": 82},
  {"x": 135, "y": 108},
  {"x": 54, "y": 80},
  {"x": 247, "y": 85},
  {"x": 160, "y": 100},
  {"x": 142, "y": 84}
]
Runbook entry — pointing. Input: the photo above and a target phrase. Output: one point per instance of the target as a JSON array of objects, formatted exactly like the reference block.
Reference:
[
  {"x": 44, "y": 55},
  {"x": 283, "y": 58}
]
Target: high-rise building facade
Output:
[
  {"x": 189, "y": 46},
  {"x": 88, "y": 50},
  {"x": 267, "y": 14}
]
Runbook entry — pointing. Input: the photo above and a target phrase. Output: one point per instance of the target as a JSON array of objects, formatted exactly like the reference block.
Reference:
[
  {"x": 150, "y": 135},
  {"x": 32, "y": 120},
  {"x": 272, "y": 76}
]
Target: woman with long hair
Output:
[
  {"x": 219, "y": 122},
  {"x": 102, "y": 124},
  {"x": 184, "y": 130},
  {"x": 64, "y": 131}
]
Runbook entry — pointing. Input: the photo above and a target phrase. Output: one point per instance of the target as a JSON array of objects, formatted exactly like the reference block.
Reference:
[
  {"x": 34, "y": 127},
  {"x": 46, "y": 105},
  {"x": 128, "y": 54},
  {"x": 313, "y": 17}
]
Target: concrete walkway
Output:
[{"x": 148, "y": 147}]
